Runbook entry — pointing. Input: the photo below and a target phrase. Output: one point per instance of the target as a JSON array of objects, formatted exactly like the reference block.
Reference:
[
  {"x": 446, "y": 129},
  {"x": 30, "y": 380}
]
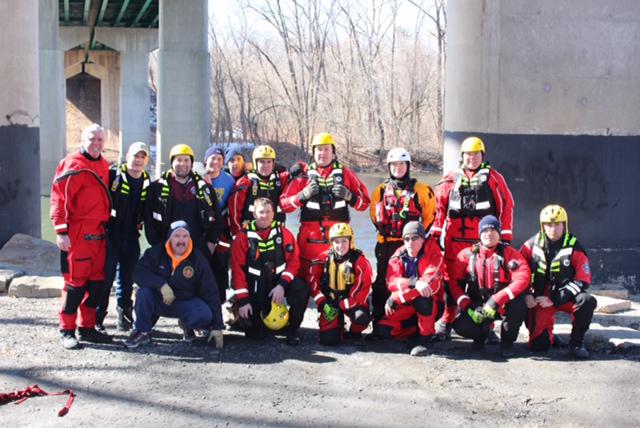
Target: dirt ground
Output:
[{"x": 176, "y": 383}]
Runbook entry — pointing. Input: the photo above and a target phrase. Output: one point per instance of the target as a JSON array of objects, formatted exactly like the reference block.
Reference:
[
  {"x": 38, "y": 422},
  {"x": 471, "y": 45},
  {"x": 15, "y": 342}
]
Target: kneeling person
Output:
[
  {"x": 488, "y": 280},
  {"x": 414, "y": 279},
  {"x": 341, "y": 284},
  {"x": 264, "y": 264},
  {"x": 175, "y": 281},
  {"x": 561, "y": 276}
]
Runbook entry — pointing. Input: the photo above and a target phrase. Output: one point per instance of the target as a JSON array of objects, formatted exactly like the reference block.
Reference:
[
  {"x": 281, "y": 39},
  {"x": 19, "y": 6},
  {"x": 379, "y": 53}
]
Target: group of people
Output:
[{"x": 444, "y": 260}]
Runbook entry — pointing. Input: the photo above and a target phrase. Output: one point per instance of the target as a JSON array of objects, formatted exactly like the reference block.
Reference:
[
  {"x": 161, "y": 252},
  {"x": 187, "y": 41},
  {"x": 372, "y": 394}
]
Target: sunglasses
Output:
[{"x": 411, "y": 238}]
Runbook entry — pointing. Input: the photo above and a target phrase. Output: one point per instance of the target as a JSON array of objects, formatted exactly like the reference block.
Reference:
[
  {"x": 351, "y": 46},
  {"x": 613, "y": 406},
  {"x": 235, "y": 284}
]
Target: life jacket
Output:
[
  {"x": 472, "y": 197},
  {"x": 162, "y": 210},
  {"x": 120, "y": 188},
  {"x": 325, "y": 206},
  {"x": 556, "y": 273},
  {"x": 396, "y": 208},
  {"x": 499, "y": 272},
  {"x": 265, "y": 257},
  {"x": 338, "y": 278},
  {"x": 270, "y": 189}
]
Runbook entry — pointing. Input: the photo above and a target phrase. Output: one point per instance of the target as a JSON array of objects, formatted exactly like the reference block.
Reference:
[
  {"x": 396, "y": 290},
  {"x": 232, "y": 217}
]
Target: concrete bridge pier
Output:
[{"x": 19, "y": 120}]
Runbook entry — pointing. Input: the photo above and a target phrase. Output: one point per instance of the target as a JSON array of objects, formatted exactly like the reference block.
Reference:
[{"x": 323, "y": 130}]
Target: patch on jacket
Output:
[{"x": 187, "y": 272}]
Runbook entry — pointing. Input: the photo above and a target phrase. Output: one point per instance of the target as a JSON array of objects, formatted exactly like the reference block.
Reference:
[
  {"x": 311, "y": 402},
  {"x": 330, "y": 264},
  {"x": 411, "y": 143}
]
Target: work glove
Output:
[
  {"x": 330, "y": 313},
  {"x": 476, "y": 315},
  {"x": 339, "y": 191},
  {"x": 296, "y": 170},
  {"x": 489, "y": 309},
  {"x": 312, "y": 189},
  {"x": 167, "y": 294},
  {"x": 564, "y": 295},
  {"x": 216, "y": 336},
  {"x": 390, "y": 306}
]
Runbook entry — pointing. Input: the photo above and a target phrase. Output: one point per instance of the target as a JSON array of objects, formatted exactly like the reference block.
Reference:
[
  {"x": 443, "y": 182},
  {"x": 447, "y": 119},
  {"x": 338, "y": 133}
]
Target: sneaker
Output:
[
  {"x": 493, "y": 338},
  {"x": 92, "y": 335},
  {"x": 423, "y": 347},
  {"x": 68, "y": 339},
  {"x": 443, "y": 330},
  {"x": 187, "y": 334},
  {"x": 137, "y": 338},
  {"x": 100, "y": 316},
  {"x": 507, "y": 350},
  {"x": 580, "y": 352}
]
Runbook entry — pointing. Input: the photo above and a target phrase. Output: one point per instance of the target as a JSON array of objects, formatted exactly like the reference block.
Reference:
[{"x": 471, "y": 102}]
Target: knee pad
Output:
[
  {"x": 360, "y": 316},
  {"x": 423, "y": 305},
  {"x": 586, "y": 301},
  {"x": 95, "y": 290},
  {"x": 73, "y": 298}
]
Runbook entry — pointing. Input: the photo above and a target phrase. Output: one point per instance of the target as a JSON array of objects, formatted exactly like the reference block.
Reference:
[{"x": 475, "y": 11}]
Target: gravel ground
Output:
[{"x": 176, "y": 383}]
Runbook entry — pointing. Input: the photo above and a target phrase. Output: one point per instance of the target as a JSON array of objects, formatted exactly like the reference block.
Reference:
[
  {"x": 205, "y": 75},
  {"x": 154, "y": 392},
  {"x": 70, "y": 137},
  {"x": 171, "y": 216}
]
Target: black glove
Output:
[
  {"x": 279, "y": 168},
  {"x": 339, "y": 191},
  {"x": 295, "y": 170},
  {"x": 566, "y": 294},
  {"x": 312, "y": 189}
]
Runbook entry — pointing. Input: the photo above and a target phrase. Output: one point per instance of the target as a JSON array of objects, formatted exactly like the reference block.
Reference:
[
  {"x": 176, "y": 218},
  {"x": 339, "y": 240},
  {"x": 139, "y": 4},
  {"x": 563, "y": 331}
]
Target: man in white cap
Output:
[
  {"x": 128, "y": 183},
  {"x": 175, "y": 281}
]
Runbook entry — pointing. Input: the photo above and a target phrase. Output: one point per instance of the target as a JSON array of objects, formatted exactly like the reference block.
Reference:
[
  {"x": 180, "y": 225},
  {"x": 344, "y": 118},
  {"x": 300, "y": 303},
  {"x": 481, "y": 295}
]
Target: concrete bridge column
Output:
[
  {"x": 553, "y": 88},
  {"x": 184, "y": 105},
  {"x": 134, "y": 46},
  {"x": 52, "y": 95},
  {"x": 19, "y": 120}
]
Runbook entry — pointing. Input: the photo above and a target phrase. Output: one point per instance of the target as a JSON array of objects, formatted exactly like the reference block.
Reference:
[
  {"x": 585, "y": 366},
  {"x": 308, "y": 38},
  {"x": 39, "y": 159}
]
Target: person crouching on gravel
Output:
[{"x": 175, "y": 281}]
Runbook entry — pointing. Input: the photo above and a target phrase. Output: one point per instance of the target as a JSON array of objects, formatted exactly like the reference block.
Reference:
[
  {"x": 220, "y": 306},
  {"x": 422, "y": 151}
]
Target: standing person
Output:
[
  {"x": 175, "y": 281},
  {"x": 561, "y": 276},
  {"x": 262, "y": 182},
  {"x": 264, "y": 264},
  {"x": 128, "y": 185},
  {"x": 236, "y": 164},
  {"x": 488, "y": 280},
  {"x": 323, "y": 195},
  {"x": 79, "y": 211},
  {"x": 399, "y": 200},
  {"x": 416, "y": 300},
  {"x": 463, "y": 197},
  {"x": 222, "y": 184},
  {"x": 340, "y": 286},
  {"x": 182, "y": 194}
]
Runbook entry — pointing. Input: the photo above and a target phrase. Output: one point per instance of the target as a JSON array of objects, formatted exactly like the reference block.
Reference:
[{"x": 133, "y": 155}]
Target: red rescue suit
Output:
[
  {"x": 250, "y": 187},
  {"x": 562, "y": 274},
  {"x": 345, "y": 283},
  {"x": 463, "y": 197},
  {"x": 413, "y": 312},
  {"x": 80, "y": 208},
  {"x": 324, "y": 210}
]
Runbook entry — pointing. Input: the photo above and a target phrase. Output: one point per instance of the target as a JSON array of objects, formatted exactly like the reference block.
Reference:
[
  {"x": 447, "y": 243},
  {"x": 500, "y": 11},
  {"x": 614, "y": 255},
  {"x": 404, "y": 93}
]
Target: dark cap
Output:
[
  {"x": 178, "y": 224},
  {"x": 213, "y": 150},
  {"x": 413, "y": 228},
  {"x": 489, "y": 221}
]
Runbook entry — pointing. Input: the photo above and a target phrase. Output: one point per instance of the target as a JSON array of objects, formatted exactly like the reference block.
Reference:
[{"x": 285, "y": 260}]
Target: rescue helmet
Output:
[
  {"x": 342, "y": 230},
  {"x": 277, "y": 318},
  {"x": 472, "y": 144},
  {"x": 554, "y": 214},
  {"x": 398, "y": 154},
  {"x": 323, "y": 138},
  {"x": 181, "y": 149},
  {"x": 262, "y": 152}
]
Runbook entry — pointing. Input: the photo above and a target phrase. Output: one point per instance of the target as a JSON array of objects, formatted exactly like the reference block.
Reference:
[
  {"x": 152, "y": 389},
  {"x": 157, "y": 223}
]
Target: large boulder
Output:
[
  {"x": 6, "y": 275},
  {"x": 36, "y": 286}
]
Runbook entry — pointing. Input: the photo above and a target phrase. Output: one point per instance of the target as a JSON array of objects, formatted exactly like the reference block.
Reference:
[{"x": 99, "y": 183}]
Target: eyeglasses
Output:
[{"x": 411, "y": 238}]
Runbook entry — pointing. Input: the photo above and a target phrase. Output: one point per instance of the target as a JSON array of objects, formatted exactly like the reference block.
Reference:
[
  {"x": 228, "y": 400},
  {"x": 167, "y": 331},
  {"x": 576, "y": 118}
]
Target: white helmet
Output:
[{"x": 398, "y": 154}]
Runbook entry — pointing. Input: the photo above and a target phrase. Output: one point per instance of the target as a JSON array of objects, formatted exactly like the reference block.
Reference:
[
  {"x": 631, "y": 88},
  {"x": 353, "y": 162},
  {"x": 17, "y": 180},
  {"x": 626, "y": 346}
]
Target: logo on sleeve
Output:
[{"x": 586, "y": 268}]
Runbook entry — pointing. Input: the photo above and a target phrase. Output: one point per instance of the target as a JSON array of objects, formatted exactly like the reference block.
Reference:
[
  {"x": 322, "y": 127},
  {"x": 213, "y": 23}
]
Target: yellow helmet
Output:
[
  {"x": 554, "y": 214},
  {"x": 262, "y": 152},
  {"x": 323, "y": 138},
  {"x": 277, "y": 318},
  {"x": 181, "y": 149},
  {"x": 342, "y": 230},
  {"x": 472, "y": 144}
]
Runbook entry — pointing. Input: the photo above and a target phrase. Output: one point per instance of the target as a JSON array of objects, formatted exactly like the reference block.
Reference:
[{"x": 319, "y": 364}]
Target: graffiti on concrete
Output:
[
  {"x": 9, "y": 191},
  {"x": 575, "y": 181}
]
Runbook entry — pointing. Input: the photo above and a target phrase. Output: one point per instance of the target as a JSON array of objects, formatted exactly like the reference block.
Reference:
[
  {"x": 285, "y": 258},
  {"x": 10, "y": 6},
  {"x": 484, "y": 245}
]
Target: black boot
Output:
[
  {"x": 92, "y": 335},
  {"x": 125, "y": 318},
  {"x": 100, "y": 316}
]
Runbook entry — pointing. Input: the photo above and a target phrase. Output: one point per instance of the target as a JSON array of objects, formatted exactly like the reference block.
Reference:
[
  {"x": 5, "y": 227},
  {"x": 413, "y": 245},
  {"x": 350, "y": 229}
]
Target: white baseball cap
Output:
[{"x": 137, "y": 147}]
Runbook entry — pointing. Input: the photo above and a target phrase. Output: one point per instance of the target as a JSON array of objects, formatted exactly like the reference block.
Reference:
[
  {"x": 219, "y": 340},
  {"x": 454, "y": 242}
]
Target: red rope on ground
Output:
[{"x": 35, "y": 391}]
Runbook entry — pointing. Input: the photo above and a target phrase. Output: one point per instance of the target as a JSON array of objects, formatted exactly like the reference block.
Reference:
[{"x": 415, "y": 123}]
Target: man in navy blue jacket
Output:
[{"x": 175, "y": 281}]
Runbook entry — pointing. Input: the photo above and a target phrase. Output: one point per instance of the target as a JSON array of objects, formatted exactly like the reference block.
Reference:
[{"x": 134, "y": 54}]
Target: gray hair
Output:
[{"x": 89, "y": 132}]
